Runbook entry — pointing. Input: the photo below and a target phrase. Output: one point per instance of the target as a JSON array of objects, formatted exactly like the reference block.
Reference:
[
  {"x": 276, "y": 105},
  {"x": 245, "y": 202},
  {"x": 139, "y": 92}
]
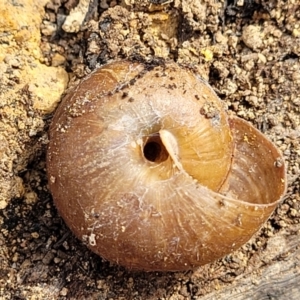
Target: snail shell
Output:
[{"x": 145, "y": 166}]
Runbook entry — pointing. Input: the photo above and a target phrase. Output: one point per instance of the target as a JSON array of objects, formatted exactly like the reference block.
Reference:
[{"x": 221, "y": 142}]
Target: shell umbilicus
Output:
[{"x": 146, "y": 167}]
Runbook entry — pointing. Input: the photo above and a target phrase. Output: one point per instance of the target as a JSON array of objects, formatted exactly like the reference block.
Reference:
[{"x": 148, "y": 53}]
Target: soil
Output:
[{"x": 249, "y": 51}]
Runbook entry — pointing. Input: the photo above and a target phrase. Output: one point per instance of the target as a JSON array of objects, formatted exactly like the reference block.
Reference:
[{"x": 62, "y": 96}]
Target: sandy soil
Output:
[{"x": 249, "y": 51}]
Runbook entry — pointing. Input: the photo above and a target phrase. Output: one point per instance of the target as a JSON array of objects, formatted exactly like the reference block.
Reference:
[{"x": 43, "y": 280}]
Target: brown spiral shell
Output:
[{"x": 147, "y": 168}]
